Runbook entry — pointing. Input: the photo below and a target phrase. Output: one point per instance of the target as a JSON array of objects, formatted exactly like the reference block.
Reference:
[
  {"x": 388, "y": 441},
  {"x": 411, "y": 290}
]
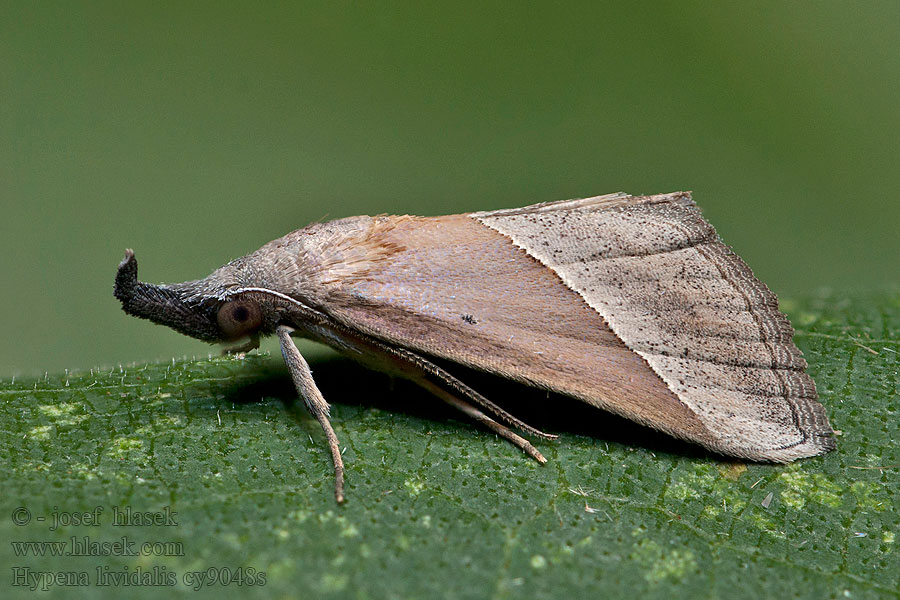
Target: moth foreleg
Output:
[
  {"x": 251, "y": 344},
  {"x": 318, "y": 407}
]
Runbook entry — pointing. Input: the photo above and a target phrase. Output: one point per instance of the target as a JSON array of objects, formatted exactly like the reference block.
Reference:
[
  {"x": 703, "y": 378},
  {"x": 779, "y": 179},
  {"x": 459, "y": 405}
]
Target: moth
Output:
[{"x": 631, "y": 304}]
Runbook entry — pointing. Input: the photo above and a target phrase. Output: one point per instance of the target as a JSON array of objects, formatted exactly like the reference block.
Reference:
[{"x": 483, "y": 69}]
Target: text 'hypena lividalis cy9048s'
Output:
[{"x": 630, "y": 304}]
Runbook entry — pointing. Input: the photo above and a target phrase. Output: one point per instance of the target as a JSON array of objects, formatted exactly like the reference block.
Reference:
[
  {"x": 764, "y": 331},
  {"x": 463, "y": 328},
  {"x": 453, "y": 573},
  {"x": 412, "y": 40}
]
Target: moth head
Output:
[{"x": 188, "y": 307}]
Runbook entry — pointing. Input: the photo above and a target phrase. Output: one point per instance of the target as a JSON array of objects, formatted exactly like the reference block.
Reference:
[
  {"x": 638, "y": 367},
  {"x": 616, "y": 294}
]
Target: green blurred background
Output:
[{"x": 194, "y": 133}]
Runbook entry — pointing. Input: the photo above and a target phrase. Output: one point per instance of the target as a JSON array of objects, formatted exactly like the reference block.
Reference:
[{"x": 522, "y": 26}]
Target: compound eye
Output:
[{"x": 239, "y": 318}]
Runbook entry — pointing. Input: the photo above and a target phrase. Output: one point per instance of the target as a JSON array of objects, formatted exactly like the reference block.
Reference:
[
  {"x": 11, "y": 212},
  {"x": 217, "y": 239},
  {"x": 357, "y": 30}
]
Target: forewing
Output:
[
  {"x": 630, "y": 304},
  {"x": 455, "y": 289}
]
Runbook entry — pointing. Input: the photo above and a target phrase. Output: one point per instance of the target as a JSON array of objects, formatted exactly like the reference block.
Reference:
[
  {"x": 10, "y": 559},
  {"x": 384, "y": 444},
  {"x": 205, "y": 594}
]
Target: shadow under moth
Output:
[{"x": 630, "y": 304}]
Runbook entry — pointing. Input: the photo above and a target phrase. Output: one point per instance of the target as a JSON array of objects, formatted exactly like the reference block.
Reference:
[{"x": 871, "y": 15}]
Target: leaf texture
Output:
[{"x": 437, "y": 507}]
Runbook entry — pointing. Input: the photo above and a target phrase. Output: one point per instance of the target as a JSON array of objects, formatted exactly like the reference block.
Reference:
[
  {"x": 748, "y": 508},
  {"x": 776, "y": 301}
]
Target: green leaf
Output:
[{"x": 437, "y": 507}]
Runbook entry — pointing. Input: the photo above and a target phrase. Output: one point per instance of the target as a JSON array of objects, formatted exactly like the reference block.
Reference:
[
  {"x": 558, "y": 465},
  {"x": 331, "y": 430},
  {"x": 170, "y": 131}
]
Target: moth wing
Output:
[
  {"x": 629, "y": 303},
  {"x": 677, "y": 296}
]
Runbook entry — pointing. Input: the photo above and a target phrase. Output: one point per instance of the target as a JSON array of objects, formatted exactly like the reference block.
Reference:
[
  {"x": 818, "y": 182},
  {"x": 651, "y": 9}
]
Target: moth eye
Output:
[
  {"x": 239, "y": 318},
  {"x": 240, "y": 314}
]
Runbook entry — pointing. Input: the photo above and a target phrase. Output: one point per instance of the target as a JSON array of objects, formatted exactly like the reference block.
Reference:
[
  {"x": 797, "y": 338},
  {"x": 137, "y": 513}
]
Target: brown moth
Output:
[{"x": 630, "y": 304}]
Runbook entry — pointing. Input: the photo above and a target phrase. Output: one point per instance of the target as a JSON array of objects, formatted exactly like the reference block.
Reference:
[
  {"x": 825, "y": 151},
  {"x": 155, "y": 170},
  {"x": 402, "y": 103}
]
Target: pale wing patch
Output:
[
  {"x": 656, "y": 271},
  {"x": 351, "y": 252},
  {"x": 318, "y": 256}
]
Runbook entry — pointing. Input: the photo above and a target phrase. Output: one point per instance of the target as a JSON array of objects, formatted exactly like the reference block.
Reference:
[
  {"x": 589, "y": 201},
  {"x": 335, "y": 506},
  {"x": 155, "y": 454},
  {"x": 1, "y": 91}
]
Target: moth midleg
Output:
[
  {"x": 475, "y": 413},
  {"x": 315, "y": 402},
  {"x": 410, "y": 365},
  {"x": 425, "y": 367},
  {"x": 422, "y": 371}
]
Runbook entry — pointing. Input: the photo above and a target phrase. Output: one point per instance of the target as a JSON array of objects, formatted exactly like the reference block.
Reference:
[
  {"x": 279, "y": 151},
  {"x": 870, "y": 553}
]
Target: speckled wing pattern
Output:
[{"x": 658, "y": 274}]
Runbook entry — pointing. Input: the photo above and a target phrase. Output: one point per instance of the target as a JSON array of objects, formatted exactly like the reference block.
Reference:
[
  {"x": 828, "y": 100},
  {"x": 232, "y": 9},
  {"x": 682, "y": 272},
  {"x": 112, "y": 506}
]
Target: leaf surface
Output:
[{"x": 437, "y": 506}]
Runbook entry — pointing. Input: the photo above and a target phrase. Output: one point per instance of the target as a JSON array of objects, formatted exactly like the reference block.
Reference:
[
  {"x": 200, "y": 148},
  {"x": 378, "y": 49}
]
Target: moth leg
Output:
[
  {"x": 426, "y": 367},
  {"x": 418, "y": 369},
  {"x": 475, "y": 413},
  {"x": 318, "y": 407},
  {"x": 251, "y": 344}
]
